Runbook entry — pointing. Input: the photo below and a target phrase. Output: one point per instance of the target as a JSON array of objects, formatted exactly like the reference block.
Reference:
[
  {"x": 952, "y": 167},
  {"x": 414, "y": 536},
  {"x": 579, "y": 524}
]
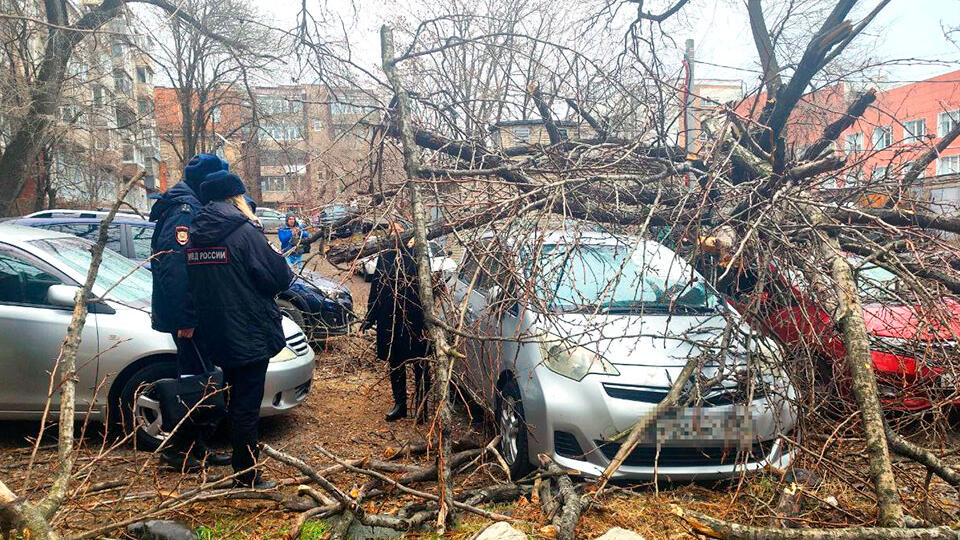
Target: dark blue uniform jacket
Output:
[
  {"x": 172, "y": 303},
  {"x": 234, "y": 276}
]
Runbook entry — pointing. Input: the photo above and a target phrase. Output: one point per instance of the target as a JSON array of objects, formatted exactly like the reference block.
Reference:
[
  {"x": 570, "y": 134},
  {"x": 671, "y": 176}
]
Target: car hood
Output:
[
  {"x": 939, "y": 321},
  {"x": 650, "y": 340},
  {"x": 319, "y": 281}
]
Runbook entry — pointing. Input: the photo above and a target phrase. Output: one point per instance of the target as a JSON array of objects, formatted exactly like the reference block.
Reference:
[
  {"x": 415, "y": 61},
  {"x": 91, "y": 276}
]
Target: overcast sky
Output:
[{"x": 905, "y": 29}]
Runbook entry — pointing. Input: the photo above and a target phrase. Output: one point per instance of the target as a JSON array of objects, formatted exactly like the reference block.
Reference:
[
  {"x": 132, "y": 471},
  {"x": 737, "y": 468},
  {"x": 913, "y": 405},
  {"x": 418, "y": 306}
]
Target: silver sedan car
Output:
[
  {"x": 120, "y": 354},
  {"x": 578, "y": 335}
]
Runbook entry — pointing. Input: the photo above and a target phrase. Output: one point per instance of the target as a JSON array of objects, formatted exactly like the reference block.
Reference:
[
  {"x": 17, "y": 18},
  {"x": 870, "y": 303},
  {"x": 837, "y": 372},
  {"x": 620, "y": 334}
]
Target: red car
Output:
[{"x": 914, "y": 345}]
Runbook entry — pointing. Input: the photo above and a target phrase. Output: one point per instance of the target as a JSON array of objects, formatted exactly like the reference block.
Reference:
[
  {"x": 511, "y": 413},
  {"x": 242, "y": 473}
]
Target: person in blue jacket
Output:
[
  {"x": 172, "y": 307},
  {"x": 234, "y": 276},
  {"x": 290, "y": 235}
]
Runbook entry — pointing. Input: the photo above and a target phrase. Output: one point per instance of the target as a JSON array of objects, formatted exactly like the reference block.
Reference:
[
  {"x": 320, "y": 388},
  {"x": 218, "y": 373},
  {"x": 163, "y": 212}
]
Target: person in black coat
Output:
[
  {"x": 234, "y": 277},
  {"x": 172, "y": 307},
  {"x": 394, "y": 307}
]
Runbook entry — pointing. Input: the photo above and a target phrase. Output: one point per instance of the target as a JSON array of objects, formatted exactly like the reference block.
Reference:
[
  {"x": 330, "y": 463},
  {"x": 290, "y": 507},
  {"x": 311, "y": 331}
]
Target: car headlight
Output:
[
  {"x": 566, "y": 358},
  {"x": 284, "y": 355}
]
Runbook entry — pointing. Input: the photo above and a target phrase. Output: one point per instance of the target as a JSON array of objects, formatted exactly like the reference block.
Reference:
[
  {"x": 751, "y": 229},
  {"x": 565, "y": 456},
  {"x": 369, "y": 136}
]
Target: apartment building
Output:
[
  {"x": 902, "y": 124},
  {"x": 305, "y": 147},
  {"x": 104, "y": 131},
  {"x": 905, "y": 121}
]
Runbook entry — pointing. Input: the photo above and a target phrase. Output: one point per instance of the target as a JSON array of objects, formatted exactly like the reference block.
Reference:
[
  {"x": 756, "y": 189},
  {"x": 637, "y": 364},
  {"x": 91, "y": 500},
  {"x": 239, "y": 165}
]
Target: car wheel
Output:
[
  {"x": 289, "y": 310},
  {"x": 140, "y": 409},
  {"x": 512, "y": 427}
]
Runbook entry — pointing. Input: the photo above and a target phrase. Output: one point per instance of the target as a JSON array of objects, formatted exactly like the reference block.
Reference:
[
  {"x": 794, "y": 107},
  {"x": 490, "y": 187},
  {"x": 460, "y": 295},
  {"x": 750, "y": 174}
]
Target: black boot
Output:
[
  {"x": 397, "y": 412},
  {"x": 210, "y": 456},
  {"x": 180, "y": 461},
  {"x": 254, "y": 480}
]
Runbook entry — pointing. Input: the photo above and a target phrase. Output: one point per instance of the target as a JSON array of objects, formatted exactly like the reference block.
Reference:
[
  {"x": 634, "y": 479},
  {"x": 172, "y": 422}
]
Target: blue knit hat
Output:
[
  {"x": 220, "y": 185},
  {"x": 199, "y": 167}
]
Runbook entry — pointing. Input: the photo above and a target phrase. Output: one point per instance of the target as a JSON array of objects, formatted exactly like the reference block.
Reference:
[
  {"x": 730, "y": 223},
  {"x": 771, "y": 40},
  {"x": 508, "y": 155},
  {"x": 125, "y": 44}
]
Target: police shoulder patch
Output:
[
  {"x": 208, "y": 255},
  {"x": 186, "y": 208},
  {"x": 182, "y": 235}
]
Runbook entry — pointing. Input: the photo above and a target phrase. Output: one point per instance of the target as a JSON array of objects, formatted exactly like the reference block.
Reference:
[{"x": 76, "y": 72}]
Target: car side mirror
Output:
[{"x": 62, "y": 295}]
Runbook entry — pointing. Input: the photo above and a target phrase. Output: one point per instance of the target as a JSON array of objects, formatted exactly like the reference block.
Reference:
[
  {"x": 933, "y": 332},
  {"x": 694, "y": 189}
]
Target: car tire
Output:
[
  {"x": 512, "y": 427},
  {"x": 289, "y": 310},
  {"x": 139, "y": 408}
]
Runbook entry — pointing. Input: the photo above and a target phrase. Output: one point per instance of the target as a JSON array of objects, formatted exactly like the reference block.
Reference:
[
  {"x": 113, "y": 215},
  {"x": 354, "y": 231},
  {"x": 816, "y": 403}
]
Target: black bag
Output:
[{"x": 202, "y": 395}]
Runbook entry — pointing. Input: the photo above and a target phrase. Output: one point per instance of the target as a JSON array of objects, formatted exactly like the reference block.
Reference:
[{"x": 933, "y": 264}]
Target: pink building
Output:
[{"x": 902, "y": 124}]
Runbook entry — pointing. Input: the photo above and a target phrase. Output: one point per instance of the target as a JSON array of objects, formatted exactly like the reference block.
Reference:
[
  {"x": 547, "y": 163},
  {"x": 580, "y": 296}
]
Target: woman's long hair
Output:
[{"x": 242, "y": 205}]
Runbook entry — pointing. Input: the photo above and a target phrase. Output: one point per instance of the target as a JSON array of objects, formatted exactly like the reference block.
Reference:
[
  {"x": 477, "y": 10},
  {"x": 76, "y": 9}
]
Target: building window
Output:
[
  {"x": 144, "y": 75},
  {"x": 118, "y": 47},
  {"x": 274, "y": 183},
  {"x": 948, "y": 165},
  {"x": 946, "y": 121},
  {"x": 125, "y": 118},
  {"x": 292, "y": 158},
  {"x": 144, "y": 106},
  {"x": 915, "y": 130},
  {"x": 317, "y": 124},
  {"x": 853, "y": 143},
  {"x": 882, "y": 137},
  {"x": 851, "y": 179},
  {"x": 122, "y": 82},
  {"x": 878, "y": 173},
  {"x": 278, "y": 105},
  {"x": 98, "y": 96},
  {"x": 283, "y": 132},
  {"x": 945, "y": 198},
  {"x": 521, "y": 134}
]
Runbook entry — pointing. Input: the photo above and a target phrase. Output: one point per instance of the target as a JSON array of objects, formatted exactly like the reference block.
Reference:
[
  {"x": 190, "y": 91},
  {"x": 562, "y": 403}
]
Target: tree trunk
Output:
[
  {"x": 444, "y": 363},
  {"x": 864, "y": 380}
]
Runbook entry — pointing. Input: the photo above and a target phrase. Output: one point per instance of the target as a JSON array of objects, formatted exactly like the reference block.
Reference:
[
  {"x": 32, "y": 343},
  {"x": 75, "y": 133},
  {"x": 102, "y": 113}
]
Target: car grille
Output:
[
  {"x": 566, "y": 445},
  {"x": 298, "y": 343},
  {"x": 644, "y": 394},
  {"x": 684, "y": 456}
]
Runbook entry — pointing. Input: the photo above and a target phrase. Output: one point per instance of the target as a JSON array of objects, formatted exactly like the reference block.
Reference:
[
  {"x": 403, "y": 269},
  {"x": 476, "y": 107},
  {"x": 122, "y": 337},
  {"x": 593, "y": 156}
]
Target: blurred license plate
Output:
[{"x": 691, "y": 425}]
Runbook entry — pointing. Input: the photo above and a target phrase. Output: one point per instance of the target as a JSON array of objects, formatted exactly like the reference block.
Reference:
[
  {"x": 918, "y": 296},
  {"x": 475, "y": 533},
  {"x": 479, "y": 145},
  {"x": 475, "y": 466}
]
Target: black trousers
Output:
[
  {"x": 245, "y": 384},
  {"x": 398, "y": 381}
]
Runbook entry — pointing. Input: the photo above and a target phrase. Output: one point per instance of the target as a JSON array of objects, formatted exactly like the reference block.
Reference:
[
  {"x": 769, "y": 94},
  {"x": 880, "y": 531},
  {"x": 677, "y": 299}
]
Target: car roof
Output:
[
  {"x": 69, "y": 212},
  {"x": 566, "y": 236},
  {"x": 16, "y": 234},
  {"x": 66, "y": 220}
]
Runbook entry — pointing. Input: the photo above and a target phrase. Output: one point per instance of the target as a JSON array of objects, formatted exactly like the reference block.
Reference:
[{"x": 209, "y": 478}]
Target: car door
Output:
[
  {"x": 468, "y": 296},
  {"x": 31, "y": 331}
]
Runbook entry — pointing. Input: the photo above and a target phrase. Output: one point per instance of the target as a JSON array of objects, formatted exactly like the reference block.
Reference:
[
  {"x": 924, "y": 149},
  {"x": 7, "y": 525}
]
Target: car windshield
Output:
[
  {"x": 125, "y": 281},
  {"x": 619, "y": 278}
]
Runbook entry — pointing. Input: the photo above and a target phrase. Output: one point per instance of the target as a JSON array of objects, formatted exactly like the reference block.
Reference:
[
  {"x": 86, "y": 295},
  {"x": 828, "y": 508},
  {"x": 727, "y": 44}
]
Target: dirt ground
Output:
[{"x": 344, "y": 414}]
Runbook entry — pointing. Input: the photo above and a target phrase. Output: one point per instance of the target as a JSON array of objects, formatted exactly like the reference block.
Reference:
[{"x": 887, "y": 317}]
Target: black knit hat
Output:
[{"x": 220, "y": 185}]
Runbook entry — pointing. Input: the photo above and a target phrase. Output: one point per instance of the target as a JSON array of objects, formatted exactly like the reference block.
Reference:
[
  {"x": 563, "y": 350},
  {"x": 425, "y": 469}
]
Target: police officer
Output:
[
  {"x": 234, "y": 277},
  {"x": 172, "y": 309},
  {"x": 394, "y": 307}
]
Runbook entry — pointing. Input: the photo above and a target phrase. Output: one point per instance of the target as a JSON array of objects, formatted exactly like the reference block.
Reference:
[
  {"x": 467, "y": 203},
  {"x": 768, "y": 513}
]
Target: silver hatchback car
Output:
[
  {"x": 40, "y": 272},
  {"x": 578, "y": 335}
]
